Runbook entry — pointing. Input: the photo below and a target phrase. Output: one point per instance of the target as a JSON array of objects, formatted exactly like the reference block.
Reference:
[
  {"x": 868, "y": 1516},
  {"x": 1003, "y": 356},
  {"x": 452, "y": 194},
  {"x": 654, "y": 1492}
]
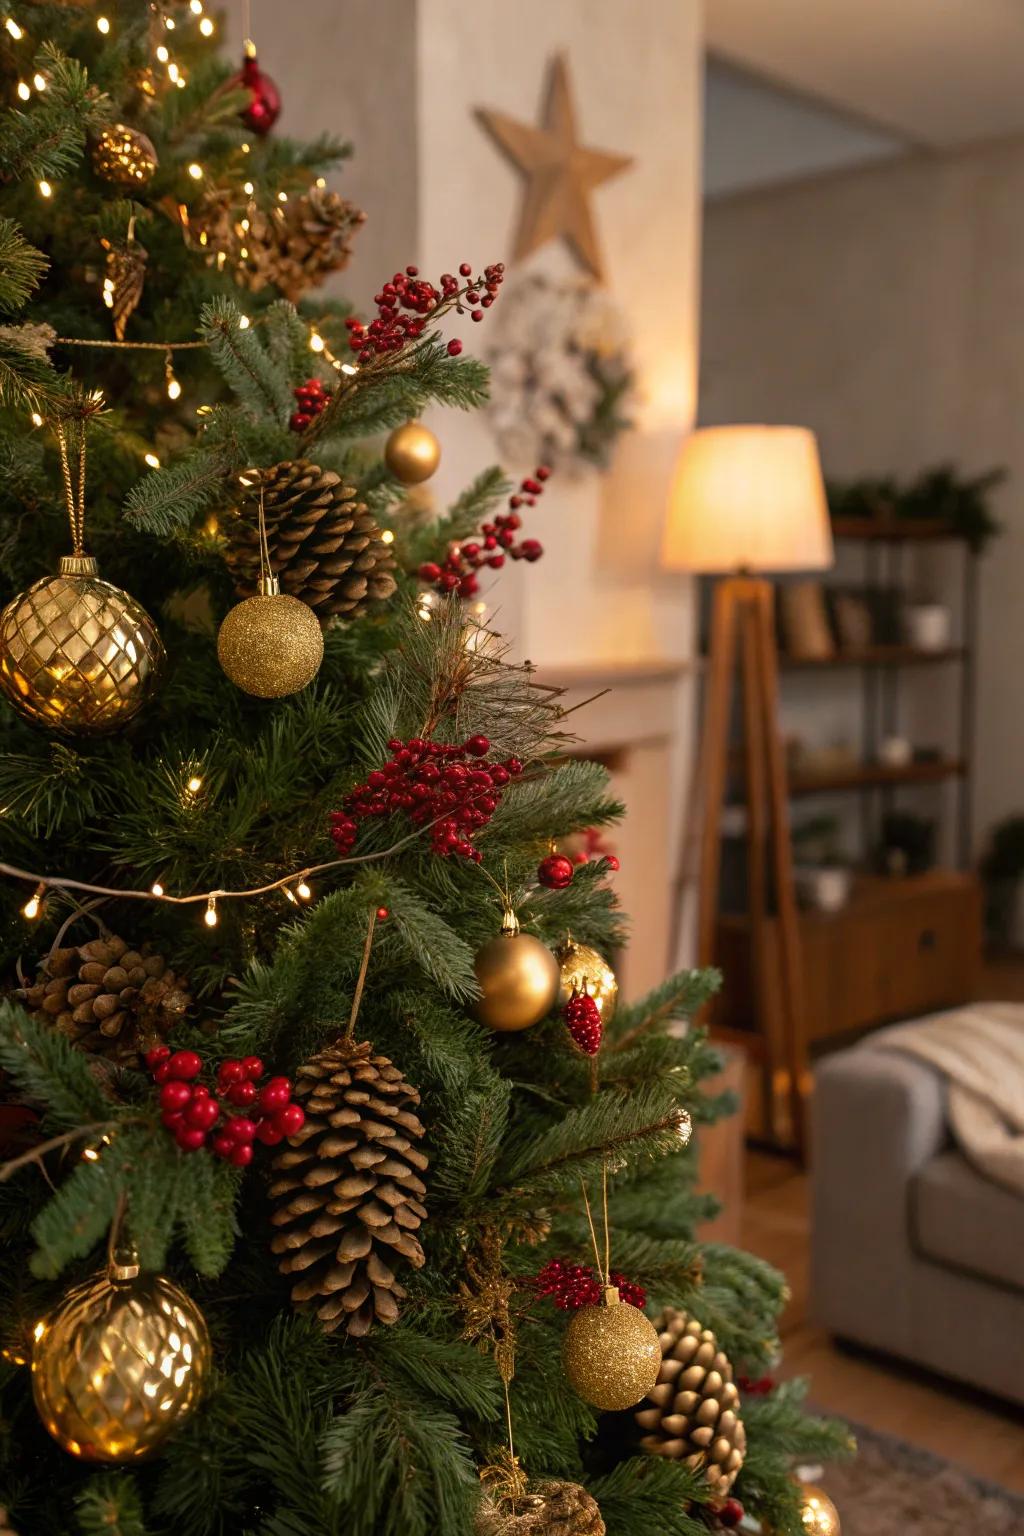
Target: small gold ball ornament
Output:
[
  {"x": 119, "y": 1364},
  {"x": 124, "y": 156},
  {"x": 583, "y": 969},
  {"x": 518, "y": 978},
  {"x": 270, "y": 645},
  {"x": 611, "y": 1353},
  {"x": 76, "y": 653},
  {"x": 412, "y": 453},
  {"x": 819, "y": 1515}
]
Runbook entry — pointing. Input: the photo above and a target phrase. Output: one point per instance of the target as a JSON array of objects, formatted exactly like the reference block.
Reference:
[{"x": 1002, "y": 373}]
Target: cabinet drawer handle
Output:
[{"x": 927, "y": 939}]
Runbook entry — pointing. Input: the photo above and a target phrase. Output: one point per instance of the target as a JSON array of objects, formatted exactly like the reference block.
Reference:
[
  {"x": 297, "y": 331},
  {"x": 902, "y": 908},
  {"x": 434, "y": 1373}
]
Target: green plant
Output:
[{"x": 961, "y": 502}]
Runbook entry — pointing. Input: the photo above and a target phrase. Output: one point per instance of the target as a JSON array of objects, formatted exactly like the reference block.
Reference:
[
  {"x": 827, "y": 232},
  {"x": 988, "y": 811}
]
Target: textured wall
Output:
[{"x": 885, "y": 308}]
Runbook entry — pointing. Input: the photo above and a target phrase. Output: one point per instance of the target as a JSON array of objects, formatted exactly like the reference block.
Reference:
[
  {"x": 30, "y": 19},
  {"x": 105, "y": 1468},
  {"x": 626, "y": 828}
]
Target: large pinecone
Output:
[
  {"x": 293, "y": 246},
  {"x": 552, "y": 1509},
  {"x": 110, "y": 999},
  {"x": 348, "y": 1191},
  {"x": 324, "y": 544},
  {"x": 693, "y": 1413}
]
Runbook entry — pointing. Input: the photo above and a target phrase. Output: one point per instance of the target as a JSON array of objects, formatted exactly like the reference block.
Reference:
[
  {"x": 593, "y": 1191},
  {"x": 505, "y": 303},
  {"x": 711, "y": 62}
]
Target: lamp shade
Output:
[{"x": 748, "y": 498}]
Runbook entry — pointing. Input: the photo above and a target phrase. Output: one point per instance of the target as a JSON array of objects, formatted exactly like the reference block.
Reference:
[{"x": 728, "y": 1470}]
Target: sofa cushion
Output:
[{"x": 961, "y": 1219}]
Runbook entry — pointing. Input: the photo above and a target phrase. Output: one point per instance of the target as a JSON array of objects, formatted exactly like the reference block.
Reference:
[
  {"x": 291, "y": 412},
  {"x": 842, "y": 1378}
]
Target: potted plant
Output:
[
  {"x": 1001, "y": 871},
  {"x": 823, "y": 873}
]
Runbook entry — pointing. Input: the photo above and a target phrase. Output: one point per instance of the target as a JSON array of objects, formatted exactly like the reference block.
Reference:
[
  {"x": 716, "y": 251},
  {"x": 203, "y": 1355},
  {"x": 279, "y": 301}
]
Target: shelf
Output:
[
  {"x": 873, "y": 656},
  {"x": 874, "y": 776},
  {"x": 895, "y": 531}
]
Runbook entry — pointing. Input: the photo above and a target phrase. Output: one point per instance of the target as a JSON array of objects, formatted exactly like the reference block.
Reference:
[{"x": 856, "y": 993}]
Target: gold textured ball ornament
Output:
[
  {"x": 412, "y": 453},
  {"x": 119, "y": 1364},
  {"x": 583, "y": 969},
  {"x": 124, "y": 156},
  {"x": 76, "y": 653},
  {"x": 693, "y": 1413},
  {"x": 611, "y": 1354},
  {"x": 518, "y": 977},
  {"x": 270, "y": 645},
  {"x": 817, "y": 1511}
]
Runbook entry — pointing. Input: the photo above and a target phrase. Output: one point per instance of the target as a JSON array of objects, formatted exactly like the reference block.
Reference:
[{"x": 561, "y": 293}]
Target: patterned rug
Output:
[{"x": 894, "y": 1489}]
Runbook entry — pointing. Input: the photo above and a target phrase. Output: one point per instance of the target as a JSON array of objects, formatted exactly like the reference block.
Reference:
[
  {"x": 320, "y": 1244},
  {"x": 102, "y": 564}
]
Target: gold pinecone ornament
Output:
[
  {"x": 325, "y": 547},
  {"x": 693, "y": 1414},
  {"x": 292, "y": 246},
  {"x": 109, "y": 998},
  {"x": 552, "y": 1509},
  {"x": 348, "y": 1192}
]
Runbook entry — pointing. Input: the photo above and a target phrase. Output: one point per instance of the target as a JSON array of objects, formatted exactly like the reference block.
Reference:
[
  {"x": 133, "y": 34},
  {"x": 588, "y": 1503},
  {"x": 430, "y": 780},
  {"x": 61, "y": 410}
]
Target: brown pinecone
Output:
[
  {"x": 324, "y": 544},
  {"x": 292, "y": 246},
  {"x": 109, "y": 999},
  {"x": 348, "y": 1191},
  {"x": 552, "y": 1509},
  {"x": 693, "y": 1414}
]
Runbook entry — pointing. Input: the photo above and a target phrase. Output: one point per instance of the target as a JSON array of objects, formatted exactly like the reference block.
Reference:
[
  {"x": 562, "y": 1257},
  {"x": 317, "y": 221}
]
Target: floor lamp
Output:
[{"x": 748, "y": 501}]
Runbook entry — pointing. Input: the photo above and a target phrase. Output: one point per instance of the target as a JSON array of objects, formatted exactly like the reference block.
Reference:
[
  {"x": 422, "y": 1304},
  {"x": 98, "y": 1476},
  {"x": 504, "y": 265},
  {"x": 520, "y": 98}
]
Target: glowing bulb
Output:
[
  {"x": 14, "y": 29},
  {"x": 37, "y": 420},
  {"x": 210, "y": 915},
  {"x": 91, "y": 1155},
  {"x": 102, "y": 25},
  {"x": 195, "y": 171},
  {"x": 243, "y": 225},
  {"x": 302, "y": 890},
  {"x": 316, "y": 342},
  {"x": 206, "y": 27},
  {"x": 194, "y": 785},
  {"x": 282, "y": 197},
  {"x": 244, "y": 253},
  {"x": 387, "y": 536},
  {"x": 196, "y": 7},
  {"x": 180, "y": 82},
  {"x": 39, "y": 81},
  {"x": 289, "y": 895},
  {"x": 173, "y": 73},
  {"x": 169, "y": 23},
  {"x": 32, "y": 907},
  {"x": 173, "y": 389},
  {"x": 246, "y": 148},
  {"x": 248, "y": 188},
  {"x": 24, "y": 91},
  {"x": 45, "y": 190},
  {"x": 163, "y": 53},
  {"x": 244, "y": 322},
  {"x": 321, "y": 182},
  {"x": 152, "y": 460},
  {"x": 156, "y": 888},
  {"x": 349, "y": 368}
]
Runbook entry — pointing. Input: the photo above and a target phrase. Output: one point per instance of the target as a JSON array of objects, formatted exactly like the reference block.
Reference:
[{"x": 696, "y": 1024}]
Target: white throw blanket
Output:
[{"x": 980, "y": 1051}]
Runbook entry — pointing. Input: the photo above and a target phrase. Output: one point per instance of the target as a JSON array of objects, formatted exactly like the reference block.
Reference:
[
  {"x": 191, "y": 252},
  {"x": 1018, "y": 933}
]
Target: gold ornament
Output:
[
  {"x": 412, "y": 453},
  {"x": 583, "y": 969},
  {"x": 270, "y": 645},
  {"x": 819, "y": 1515},
  {"x": 124, "y": 281},
  {"x": 693, "y": 1414},
  {"x": 550, "y": 1509},
  {"x": 611, "y": 1353},
  {"x": 76, "y": 653},
  {"x": 518, "y": 977},
  {"x": 124, "y": 156},
  {"x": 119, "y": 1364}
]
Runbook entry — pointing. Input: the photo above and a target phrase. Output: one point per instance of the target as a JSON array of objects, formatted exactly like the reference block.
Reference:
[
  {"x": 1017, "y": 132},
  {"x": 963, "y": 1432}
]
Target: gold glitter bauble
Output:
[
  {"x": 412, "y": 453},
  {"x": 611, "y": 1353},
  {"x": 119, "y": 1364},
  {"x": 583, "y": 969},
  {"x": 693, "y": 1414},
  {"x": 819, "y": 1515},
  {"x": 77, "y": 653},
  {"x": 124, "y": 156},
  {"x": 518, "y": 978},
  {"x": 271, "y": 645}
]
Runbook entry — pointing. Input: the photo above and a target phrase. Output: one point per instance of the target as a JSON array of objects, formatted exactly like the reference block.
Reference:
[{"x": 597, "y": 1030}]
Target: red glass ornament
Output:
[
  {"x": 264, "y": 97},
  {"x": 556, "y": 871},
  {"x": 583, "y": 1020}
]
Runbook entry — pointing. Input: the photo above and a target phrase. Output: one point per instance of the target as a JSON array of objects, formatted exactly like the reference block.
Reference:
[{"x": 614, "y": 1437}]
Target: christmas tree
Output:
[{"x": 339, "y": 1187}]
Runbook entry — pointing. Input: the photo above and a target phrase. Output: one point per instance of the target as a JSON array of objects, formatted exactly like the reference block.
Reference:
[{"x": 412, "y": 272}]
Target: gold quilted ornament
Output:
[
  {"x": 124, "y": 156},
  {"x": 119, "y": 1364},
  {"x": 551, "y": 1509},
  {"x": 611, "y": 1353},
  {"x": 584, "y": 969},
  {"x": 693, "y": 1414}
]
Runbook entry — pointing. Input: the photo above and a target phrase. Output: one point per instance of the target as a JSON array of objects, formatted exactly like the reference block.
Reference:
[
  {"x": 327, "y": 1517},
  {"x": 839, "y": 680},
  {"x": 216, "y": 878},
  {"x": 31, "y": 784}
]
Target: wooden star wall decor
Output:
[{"x": 561, "y": 173}]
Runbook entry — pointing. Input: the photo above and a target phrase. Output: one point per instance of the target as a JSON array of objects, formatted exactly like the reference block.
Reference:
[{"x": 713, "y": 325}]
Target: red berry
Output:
[
  {"x": 730, "y": 1514},
  {"x": 611, "y": 861},
  {"x": 466, "y": 270},
  {"x": 172, "y": 1118},
  {"x": 289, "y": 1119},
  {"x": 455, "y": 346},
  {"x": 241, "y": 1095},
  {"x": 189, "y": 1138},
  {"x": 159, "y": 1054},
  {"x": 175, "y": 1095},
  {"x": 556, "y": 871},
  {"x": 298, "y": 421},
  {"x": 230, "y": 1071},
  {"x": 252, "y": 1066},
  {"x": 240, "y": 1128},
  {"x": 477, "y": 746},
  {"x": 162, "y": 1073},
  {"x": 202, "y": 1114},
  {"x": 223, "y": 1144},
  {"x": 428, "y": 571},
  {"x": 241, "y": 1155},
  {"x": 275, "y": 1096},
  {"x": 184, "y": 1064},
  {"x": 268, "y": 1133},
  {"x": 383, "y": 914}
]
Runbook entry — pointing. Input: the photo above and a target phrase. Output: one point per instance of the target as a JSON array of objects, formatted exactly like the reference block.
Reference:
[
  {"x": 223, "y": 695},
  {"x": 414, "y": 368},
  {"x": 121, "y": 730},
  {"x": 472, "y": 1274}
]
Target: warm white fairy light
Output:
[
  {"x": 39, "y": 81},
  {"x": 33, "y": 906},
  {"x": 245, "y": 148},
  {"x": 173, "y": 73},
  {"x": 180, "y": 82},
  {"x": 321, "y": 182},
  {"x": 282, "y": 197},
  {"x": 248, "y": 188},
  {"x": 163, "y": 53},
  {"x": 387, "y": 536},
  {"x": 206, "y": 27},
  {"x": 14, "y": 29},
  {"x": 157, "y": 888},
  {"x": 169, "y": 23},
  {"x": 210, "y": 915},
  {"x": 303, "y": 891},
  {"x": 152, "y": 460},
  {"x": 194, "y": 784},
  {"x": 244, "y": 322},
  {"x": 24, "y": 91},
  {"x": 45, "y": 190},
  {"x": 196, "y": 7},
  {"x": 349, "y": 368},
  {"x": 108, "y": 292},
  {"x": 36, "y": 419},
  {"x": 102, "y": 25},
  {"x": 195, "y": 170},
  {"x": 316, "y": 342},
  {"x": 289, "y": 896},
  {"x": 173, "y": 386}
]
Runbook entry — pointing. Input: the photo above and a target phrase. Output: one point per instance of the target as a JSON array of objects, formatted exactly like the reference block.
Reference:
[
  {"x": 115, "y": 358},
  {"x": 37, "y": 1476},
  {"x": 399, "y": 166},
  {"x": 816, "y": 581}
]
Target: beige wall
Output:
[{"x": 884, "y": 307}]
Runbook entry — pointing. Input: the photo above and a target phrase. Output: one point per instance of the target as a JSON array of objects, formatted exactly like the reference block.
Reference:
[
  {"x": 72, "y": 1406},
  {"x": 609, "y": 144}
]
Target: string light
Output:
[
  {"x": 206, "y": 27},
  {"x": 173, "y": 386},
  {"x": 152, "y": 460},
  {"x": 290, "y": 896},
  {"x": 349, "y": 368},
  {"x": 303, "y": 891},
  {"x": 316, "y": 342},
  {"x": 39, "y": 81},
  {"x": 102, "y": 25},
  {"x": 248, "y": 188},
  {"x": 244, "y": 322},
  {"x": 163, "y": 53},
  {"x": 33, "y": 906},
  {"x": 157, "y": 888},
  {"x": 180, "y": 82},
  {"x": 195, "y": 170},
  {"x": 173, "y": 73},
  {"x": 24, "y": 91},
  {"x": 194, "y": 785},
  {"x": 14, "y": 29},
  {"x": 210, "y": 915},
  {"x": 246, "y": 148},
  {"x": 387, "y": 536},
  {"x": 108, "y": 292},
  {"x": 282, "y": 197},
  {"x": 36, "y": 419},
  {"x": 321, "y": 182},
  {"x": 45, "y": 190},
  {"x": 196, "y": 7},
  {"x": 169, "y": 23}
]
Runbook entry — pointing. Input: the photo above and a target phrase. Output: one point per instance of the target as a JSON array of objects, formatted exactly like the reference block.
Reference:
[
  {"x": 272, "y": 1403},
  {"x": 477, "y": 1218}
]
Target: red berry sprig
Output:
[
  {"x": 194, "y": 1115},
  {"x": 496, "y": 540},
  {"x": 730, "y": 1513},
  {"x": 310, "y": 398},
  {"x": 437, "y": 786},
  {"x": 571, "y": 1286},
  {"x": 583, "y": 1021},
  {"x": 409, "y": 303},
  {"x": 760, "y": 1387},
  {"x": 556, "y": 871}
]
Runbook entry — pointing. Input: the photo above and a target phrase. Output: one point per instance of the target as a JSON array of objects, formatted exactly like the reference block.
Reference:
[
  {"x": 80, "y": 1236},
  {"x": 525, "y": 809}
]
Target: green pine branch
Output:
[
  {"x": 21, "y": 267},
  {"x": 47, "y": 140},
  {"x": 110, "y": 1505}
]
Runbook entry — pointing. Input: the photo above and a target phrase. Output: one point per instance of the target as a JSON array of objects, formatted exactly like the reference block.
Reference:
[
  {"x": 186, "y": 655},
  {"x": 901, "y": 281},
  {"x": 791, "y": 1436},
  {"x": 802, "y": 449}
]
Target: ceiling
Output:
[{"x": 939, "y": 73}]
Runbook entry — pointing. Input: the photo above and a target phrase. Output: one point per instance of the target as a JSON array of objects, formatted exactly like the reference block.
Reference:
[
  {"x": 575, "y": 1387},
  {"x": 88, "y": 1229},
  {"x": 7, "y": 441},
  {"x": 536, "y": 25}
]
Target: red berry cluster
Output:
[
  {"x": 556, "y": 871},
  {"x": 191, "y": 1111},
  {"x": 576, "y": 1285},
  {"x": 407, "y": 291},
  {"x": 730, "y": 1513},
  {"x": 583, "y": 1021},
  {"x": 594, "y": 847},
  {"x": 435, "y": 785},
  {"x": 758, "y": 1388},
  {"x": 310, "y": 398},
  {"x": 497, "y": 539}
]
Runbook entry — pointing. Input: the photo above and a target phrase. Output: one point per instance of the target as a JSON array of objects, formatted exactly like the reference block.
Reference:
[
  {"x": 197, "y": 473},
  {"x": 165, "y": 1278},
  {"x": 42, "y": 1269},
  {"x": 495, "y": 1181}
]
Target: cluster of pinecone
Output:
[
  {"x": 293, "y": 247},
  {"x": 324, "y": 544}
]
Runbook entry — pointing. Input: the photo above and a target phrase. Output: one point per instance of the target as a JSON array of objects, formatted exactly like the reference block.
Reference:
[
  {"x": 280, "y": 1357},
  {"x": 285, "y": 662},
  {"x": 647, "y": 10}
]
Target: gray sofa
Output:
[{"x": 913, "y": 1252}]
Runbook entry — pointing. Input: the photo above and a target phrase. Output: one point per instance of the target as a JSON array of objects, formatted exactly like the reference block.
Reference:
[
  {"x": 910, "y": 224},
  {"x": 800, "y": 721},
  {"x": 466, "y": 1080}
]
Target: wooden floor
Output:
[{"x": 985, "y": 1437}]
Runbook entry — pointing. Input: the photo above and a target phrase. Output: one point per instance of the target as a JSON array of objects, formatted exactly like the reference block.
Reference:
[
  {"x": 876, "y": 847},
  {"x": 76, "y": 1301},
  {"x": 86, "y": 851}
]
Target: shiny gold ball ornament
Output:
[
  {"x": 693, "y": 1413},
  {"x": 119, "y": 1364},
  {"x": 270, "y": 645},
  {"x": 611, "y": 1353},
  {"x": 583, "y": 969},
  {"x": 124, "y": 156},
  {"x": 76, "y": 653},
  {"x": 412, "y": 453},
  {"x": 518, "y": 977},
  {"x": 819, "y": 1515}
]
